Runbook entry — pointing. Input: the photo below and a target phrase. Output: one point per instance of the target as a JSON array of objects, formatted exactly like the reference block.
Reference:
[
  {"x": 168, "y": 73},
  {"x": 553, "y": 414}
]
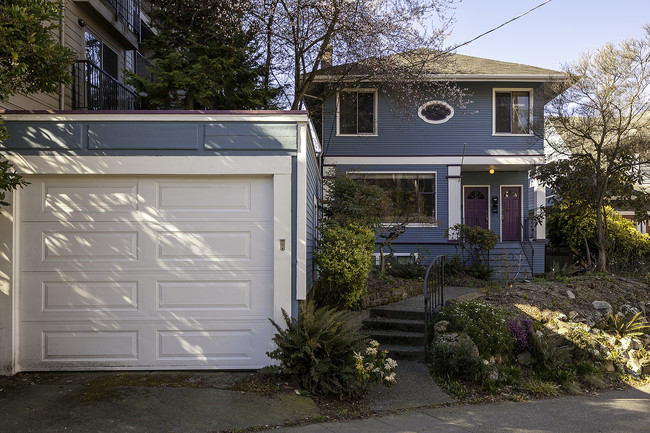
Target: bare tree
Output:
[
  {"x": 303, "y": 39},
  {"x": 603, "y": 120}
]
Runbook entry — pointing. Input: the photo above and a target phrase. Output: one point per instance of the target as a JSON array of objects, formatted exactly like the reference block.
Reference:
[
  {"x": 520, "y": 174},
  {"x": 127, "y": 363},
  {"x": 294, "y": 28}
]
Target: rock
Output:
[
  {"x": 493, "y": 373},
  {"x": 459, "y": 339},
  {"x": 561, "y": 316},
  {"x": 637, "y": 344},
  {"x": 610, "y": 367},
  {"x": 441, "y": 327},
  {"x": 539, "y": 334},
  {"x": 524, "y": 358},
  {"x": 646, "y": 339},
  {"x": 634, "y": 365},
  {"x": 589, "y": 322},
  {"x": 629, "y": 310},
  {"x": 625, "y": 342},
  {"x": 646, "y": 369},
  {"x": 573, "y": 315},
  {"x": 603, "y": 308},
  {"x": 570, "y": 294}
]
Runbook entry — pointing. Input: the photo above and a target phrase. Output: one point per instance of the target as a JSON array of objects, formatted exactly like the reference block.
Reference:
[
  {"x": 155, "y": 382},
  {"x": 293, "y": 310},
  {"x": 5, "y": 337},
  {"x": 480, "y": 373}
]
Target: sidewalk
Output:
[{"x": 615, "y": 411}]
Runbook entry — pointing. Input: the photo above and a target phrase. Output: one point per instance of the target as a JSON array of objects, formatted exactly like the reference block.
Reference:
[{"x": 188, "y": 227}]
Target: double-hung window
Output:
[
  {"x": 512, "y": 111},
  {"x": 357, "y": 112},
  {"x": 411, "y": 193}
]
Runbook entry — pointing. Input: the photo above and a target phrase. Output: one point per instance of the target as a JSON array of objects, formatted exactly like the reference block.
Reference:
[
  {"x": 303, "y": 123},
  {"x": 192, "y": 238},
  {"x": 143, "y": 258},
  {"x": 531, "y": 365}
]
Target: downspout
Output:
[{"x": 62, "y": 43}]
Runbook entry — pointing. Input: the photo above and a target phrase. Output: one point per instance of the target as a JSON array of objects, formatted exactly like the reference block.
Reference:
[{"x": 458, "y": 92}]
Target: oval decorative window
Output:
[{"x": 435, "y": 112}]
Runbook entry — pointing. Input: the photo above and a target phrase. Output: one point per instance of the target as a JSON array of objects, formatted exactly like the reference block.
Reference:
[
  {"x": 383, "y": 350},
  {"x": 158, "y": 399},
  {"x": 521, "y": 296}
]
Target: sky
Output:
[{"x": 550, "y": 36}]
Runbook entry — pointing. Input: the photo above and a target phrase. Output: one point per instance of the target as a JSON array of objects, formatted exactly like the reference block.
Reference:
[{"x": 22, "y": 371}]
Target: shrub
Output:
[
  {"x": 317, "y": 350},
  {"x": 634, "y": 327},
  {"x": 474, "y": 240},
  {"x": 521, "y": 330},
  {"x": 458, "y": 360},
  {"x": 481, "y": 271},
  {"x": 454, "y": 266},
  {"x": 410, "y": 269},
  {"x": 344, "y": 258},
  {"x": 484, "y": 324}
]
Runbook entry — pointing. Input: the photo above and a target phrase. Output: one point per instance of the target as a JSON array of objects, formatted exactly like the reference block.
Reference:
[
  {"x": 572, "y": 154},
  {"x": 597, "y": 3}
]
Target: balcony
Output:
[
  {"x": 122, "y": 17},
  {"x": 94, "y": 89}
]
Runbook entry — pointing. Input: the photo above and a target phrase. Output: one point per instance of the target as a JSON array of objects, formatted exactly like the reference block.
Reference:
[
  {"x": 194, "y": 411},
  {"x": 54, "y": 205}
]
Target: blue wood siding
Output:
[
  {"x": 468, "y": 131},
  {"x": 314, "y": 191},
  {"x": 152, "y": 138}
]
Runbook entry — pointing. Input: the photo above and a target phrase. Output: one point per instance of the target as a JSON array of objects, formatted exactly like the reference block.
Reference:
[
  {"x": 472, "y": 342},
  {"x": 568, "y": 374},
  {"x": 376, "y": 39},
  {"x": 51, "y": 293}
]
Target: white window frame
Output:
[
  {"x": 494, "y": 111},
  {"x": 377, "y": 256},
  {"x": 436, "y": 122},
  {"x": 429, "y": 172},
  {"x": 374, "y": 114}
]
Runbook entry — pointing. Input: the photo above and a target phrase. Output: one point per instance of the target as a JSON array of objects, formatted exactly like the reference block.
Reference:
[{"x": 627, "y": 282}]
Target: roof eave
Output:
[{"x": 452, "y": 77}]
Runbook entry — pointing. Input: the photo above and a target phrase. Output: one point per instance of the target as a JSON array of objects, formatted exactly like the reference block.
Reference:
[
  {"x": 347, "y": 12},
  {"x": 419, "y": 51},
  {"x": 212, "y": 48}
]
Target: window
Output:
[
  {"x": 512, "y": 110},
  {"x": 435, "y": 112},
  {"x": 414, "y": 193},
  {"x": 101, "y": 55},
  {"x": 357, "y": 112}
]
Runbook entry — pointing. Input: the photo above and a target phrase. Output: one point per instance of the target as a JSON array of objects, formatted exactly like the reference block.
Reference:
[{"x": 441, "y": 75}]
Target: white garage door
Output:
[{"x": 145, "y": 273}]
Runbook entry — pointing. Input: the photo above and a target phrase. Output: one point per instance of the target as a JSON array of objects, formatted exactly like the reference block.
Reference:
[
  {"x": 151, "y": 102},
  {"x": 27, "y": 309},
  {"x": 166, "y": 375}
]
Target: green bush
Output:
[
  {"x": 458, "y": 360},
  {"x": 318, "y": 350},
  {"x": 473, "y": 240},
  {"x": 484, "y": 324},
  {"x": 454, "y": 266},
  {"x": 480, "y": 271},
  {"x": 344, "y": 259}
]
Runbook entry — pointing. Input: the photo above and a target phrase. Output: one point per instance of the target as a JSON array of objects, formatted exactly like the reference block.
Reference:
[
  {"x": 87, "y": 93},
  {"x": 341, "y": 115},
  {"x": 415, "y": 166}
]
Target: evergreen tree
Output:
[{"x": 203, "y": 58}]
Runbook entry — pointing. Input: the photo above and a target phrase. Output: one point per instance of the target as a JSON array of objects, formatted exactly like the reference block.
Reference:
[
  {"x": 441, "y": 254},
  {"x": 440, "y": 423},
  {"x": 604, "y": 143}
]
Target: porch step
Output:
[
  {"x": 388, "y": 313},
  {"x": 509, "y": 262},
  {"x": 404, "y": 325},
  {"x": 398, "y": 330},
  {"x": 406, "y": 353},
  {"x": 397, "y": 337}
]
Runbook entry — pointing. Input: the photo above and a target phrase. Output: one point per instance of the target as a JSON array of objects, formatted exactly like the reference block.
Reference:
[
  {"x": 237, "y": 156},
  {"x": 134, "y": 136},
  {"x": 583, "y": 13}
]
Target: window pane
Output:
[
  {"x": 93, "y": 47},
  {"x": 366, "y": 113},
  {"x": 426, "y": 204},
  {"x": 503, "y": 110},
  {"x": 109, "y": 63},
  {"x": 520, "y": 112},
  {"x": 348, "y": 112}
]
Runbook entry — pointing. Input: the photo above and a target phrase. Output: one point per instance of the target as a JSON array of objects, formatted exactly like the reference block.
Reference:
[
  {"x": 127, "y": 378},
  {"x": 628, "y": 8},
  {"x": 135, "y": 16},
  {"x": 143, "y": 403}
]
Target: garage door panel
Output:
[
  {"x": 218, "y": 344},
  {"x": 149, "y": 295},
  {"x": 96, "y": 246},
  {"x": 68, "y": 198}
]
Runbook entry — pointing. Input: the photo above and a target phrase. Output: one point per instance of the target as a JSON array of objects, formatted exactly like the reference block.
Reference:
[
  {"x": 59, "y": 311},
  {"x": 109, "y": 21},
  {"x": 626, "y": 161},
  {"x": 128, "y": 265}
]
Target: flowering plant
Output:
[
  {"x": 373, "y": 367},
  {"x": 522, "y": 330}
]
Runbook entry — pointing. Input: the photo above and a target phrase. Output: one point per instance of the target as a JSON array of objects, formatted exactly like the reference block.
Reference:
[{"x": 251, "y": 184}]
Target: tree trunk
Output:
[{"x": 601, "y": 265}]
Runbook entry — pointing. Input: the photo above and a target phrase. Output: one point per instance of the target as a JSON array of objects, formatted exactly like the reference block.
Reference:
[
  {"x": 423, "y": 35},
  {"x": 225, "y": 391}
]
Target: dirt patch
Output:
[{"x": 569, "y": 294}]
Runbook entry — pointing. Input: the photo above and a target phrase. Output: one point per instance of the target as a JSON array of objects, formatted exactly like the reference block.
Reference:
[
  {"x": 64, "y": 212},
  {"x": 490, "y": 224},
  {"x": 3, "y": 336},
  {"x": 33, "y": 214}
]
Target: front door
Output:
[
  {"x": 510, "y": 213},
  {"x": 476, "y": 206}
]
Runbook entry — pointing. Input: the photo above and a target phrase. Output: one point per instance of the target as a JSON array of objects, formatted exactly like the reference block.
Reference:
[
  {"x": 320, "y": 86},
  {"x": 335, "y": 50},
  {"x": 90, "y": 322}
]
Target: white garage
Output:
[{"x": 152, "y": 262}]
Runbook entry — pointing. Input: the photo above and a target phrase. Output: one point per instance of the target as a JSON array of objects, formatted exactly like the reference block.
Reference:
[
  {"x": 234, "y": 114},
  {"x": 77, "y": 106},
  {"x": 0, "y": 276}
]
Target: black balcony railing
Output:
[
  {"x": 129, "y": 12},
  {"x": 94, "y": 89}
]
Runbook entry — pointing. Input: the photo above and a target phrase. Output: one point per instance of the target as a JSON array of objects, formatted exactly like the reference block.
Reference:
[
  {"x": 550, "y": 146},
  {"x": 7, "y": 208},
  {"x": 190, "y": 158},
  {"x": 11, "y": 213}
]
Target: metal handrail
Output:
[
  {"x": 129, "y": 11},
  {"x": 434, "y": 284},
  {"x": 525, "y": 241},
  {"x": 94, "y": 89}
]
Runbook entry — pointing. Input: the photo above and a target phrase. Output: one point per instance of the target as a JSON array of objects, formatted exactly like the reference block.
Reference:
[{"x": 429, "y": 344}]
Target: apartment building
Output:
[{"x": 105, "y": 36}]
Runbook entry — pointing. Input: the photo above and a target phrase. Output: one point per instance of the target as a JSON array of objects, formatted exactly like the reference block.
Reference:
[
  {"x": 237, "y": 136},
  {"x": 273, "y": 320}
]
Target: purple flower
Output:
[{"x": 521, "y": 330}]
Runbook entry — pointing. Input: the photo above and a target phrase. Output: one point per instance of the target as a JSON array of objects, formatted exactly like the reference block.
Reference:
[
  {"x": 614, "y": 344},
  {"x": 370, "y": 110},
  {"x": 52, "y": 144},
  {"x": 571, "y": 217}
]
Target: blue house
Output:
[{"x": 460, "y": 163}]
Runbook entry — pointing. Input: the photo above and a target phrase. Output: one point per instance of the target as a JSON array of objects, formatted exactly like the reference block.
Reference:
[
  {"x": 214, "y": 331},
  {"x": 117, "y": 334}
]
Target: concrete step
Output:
[
  {"x": 383, "y": 323},
  {"x": 411, "y": 353},
  {"x": 396, "y": 337},
  {"x": 397, "y": 313}
]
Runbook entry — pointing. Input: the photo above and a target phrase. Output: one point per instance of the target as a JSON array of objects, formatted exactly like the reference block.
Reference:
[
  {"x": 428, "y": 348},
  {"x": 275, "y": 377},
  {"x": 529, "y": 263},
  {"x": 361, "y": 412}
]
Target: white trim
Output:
[
  {"x": 281, "y": 259},
  {"x": 301, "y": 214},
  {"x": 456, "y": 77},
  {"x": 489, "y": 200},
  {"x": 160, "y": 116},
  {"x": 15, "y": 284},
  {"x": 150, "y": 165},
  {"x": 494, "y": 111},
  {"x": 377, "y": 256},
  {"x": 374, "y": 115},
  {"x": 436, "y": 160},
  {"x": 436, "y": 122},
  {"x": 521, "y": 210},
  {"x": 454, "y": 195}
]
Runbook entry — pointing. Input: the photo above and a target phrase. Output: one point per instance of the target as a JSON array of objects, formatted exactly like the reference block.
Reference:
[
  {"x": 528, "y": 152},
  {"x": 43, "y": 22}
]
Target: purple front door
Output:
[
  {"x": 510, "y": 213},
  {"x": 476, "y": 206}
]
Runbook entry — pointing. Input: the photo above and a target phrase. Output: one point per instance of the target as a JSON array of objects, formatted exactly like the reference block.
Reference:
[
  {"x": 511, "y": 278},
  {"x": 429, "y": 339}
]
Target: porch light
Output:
[{"x": 491, "y": 171}]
